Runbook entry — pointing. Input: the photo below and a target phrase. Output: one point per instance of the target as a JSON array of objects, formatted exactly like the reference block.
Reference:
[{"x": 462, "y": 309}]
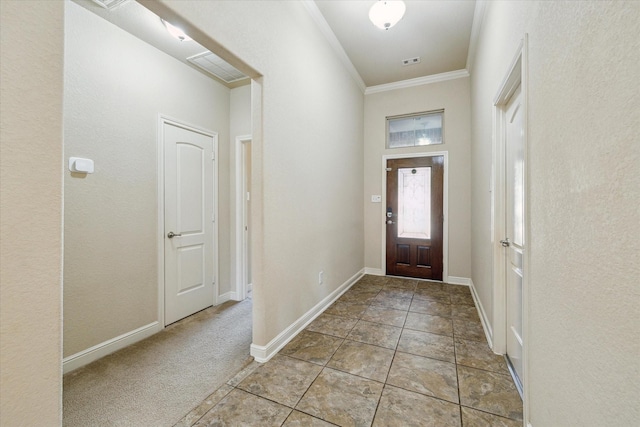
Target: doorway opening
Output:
[
  {"x": 124, "y": 194},
  {"x": 244, "y": 227},
  {"x": 415, "y": 215},
  {"x": 122, "y": 300}
]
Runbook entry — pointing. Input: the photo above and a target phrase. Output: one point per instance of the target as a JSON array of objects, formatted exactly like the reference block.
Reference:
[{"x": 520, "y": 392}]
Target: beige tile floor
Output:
[{"x": 389, "y": 352}]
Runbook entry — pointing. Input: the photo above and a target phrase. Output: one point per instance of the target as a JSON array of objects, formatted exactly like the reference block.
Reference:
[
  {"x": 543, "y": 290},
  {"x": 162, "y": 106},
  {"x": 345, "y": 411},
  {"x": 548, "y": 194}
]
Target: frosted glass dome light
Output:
[
  {"x": 176, "y": 32},
  {"x": 386, "y": 13}
]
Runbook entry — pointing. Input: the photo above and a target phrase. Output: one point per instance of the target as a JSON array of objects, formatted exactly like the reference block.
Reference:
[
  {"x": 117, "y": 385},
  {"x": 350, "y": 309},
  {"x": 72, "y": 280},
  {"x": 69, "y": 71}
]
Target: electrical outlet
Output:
[{"x": 320, "y": 277}]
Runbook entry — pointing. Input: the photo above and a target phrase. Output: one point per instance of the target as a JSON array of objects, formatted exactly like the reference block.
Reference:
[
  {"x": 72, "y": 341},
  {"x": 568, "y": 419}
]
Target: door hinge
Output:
[
  {"x": 388, "y": 169},
  {"x": 213, "y": 156},
  {"x": 213, "y": 218}
]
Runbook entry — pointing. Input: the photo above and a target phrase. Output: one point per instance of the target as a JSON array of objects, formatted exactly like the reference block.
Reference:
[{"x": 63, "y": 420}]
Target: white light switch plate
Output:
[
  {"x": 376, "y": 199},
  {"x": 80, "y": 165}
]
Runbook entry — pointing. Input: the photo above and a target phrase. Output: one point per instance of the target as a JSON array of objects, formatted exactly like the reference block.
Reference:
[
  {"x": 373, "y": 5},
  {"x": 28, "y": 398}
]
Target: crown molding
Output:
[
  {"x": 434, "y": 78},
  {"x": 478, "y": 18},
  {"x": 326, "y": 31}
]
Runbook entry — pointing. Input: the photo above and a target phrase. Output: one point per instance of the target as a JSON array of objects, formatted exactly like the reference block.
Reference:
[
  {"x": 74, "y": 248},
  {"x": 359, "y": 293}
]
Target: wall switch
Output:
[
  {"x": 320, "y": 277},
  {"x": 376, "y": 198}
]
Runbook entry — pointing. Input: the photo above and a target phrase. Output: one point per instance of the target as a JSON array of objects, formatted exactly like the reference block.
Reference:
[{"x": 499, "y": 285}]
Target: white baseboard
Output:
[
  {"x": 373, "y": 271},
  {"x": 227, "y": 296},
  {"x": 87, "y": 356},
  {"x": 488, "y": 332},
  {"x": 264, "y": 353},
  {"x": 453, "y": 280}
]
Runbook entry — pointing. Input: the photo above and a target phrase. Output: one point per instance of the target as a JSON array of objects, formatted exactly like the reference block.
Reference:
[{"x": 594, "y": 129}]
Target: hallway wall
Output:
[
  {"x": 453, "y": 96},
  {"x": 115, "y": 88},
  {"x": 584, "y": 190},
  {"x": 31, "y": 212},
  {"x": 308, "y": 154}
]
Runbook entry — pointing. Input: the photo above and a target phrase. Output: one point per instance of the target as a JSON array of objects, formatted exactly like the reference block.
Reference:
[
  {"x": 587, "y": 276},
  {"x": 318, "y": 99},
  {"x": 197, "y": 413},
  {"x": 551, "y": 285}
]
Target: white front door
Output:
[
  {"x": 515, "y": 222},
  {"x": 188, "y": 227}
]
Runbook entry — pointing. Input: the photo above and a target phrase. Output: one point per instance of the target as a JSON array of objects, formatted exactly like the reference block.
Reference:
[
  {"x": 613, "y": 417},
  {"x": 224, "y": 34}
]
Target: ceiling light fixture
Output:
[
  {"x": 176, "y": 32},
  {"x": 386, "y": 13}
]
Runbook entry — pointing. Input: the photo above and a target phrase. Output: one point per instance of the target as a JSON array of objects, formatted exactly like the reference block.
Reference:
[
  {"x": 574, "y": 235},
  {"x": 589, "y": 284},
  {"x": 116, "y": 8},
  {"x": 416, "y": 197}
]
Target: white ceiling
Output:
[
  {"x": 139, "y": 21},
  {"x": 438, "y": 31}
]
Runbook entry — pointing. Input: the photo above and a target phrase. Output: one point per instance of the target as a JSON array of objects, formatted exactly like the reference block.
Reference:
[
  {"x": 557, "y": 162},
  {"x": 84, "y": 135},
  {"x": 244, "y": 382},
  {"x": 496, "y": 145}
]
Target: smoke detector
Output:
[
  {"x": 411, "y": 61},
  {"x": 110, "y": 4}
]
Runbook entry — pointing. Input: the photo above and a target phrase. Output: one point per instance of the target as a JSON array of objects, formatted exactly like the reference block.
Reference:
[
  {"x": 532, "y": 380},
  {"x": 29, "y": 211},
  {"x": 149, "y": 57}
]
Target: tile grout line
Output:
[
  {"x": 202, "y": 416},
  {"x": 395, "y": 351},
  {"x": 455, "y": 356},
  {"x": 369, "y": 303},
  {"x": 309, "y": 388}
]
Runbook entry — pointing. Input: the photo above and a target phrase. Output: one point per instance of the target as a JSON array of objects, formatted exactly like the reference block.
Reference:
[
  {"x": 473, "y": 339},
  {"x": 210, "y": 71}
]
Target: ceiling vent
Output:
[
  {"x": 216, "y": 66},
  {"x": 110, "y": 4},
  {"x": 411, "y": 61}
]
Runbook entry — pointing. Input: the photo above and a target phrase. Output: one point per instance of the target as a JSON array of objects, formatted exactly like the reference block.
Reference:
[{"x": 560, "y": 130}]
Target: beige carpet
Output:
[{"x": 157, "y": 381}]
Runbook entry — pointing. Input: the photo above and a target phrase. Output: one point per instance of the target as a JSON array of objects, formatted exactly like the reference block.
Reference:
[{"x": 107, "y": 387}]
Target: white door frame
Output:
[
  {"x": 241, "y": 216},
  {"x": 516, "y": 76},
  {"x": 162, "y": 120},
  {"x": 445, "y": 207}
]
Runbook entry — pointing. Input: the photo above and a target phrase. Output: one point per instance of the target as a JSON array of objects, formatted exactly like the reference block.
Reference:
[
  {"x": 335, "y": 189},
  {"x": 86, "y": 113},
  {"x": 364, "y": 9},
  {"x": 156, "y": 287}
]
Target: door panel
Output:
[
  {"x": 189, "y": 256},
  {"x": 415, "y": 217},
  {"x": 190, "y": 187},
  {"x": 424, "y": 256},
  {"x": 515, "y": 208}
]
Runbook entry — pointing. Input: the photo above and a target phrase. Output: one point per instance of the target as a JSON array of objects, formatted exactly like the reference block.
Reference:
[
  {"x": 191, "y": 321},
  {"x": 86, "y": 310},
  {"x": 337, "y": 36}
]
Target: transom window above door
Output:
[{"x": 412, "y": 130}]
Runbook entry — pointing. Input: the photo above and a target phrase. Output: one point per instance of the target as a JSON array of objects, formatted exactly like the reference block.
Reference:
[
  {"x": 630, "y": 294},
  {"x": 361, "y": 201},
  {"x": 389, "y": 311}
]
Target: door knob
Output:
[
  {"x": 389, "y": 222},
  {"x": 505, "y": 243},
  {"x": 171, "y": 235}
]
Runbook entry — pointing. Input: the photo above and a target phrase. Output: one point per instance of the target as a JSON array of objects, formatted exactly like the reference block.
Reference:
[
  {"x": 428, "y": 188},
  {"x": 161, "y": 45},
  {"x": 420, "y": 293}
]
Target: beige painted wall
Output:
[
  {"x": 240, "y": 116},
  {"x": 584, "y": 188},
  {"x": 453, "y": 96},
  {"x": 31, "y": 75},
  {"x": 115, "y": 88},
  {"x": 583, "y": 74},
  {"x": 308, "y": 154}
]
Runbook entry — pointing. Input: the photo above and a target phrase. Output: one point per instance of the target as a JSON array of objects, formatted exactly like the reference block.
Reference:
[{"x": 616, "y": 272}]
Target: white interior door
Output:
[
  {"x": 188, "y": 228},
  {"x": 515, "y": 222}
]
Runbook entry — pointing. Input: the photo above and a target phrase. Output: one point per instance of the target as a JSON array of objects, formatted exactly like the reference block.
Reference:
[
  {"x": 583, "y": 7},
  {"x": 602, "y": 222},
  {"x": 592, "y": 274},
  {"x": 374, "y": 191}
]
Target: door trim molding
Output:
[
  {"x": 516, "y": 75},
  {"x": 241, "y": 246},
  {"x": 445, "y": 207},
  {"x": 162, "y": 120}
]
